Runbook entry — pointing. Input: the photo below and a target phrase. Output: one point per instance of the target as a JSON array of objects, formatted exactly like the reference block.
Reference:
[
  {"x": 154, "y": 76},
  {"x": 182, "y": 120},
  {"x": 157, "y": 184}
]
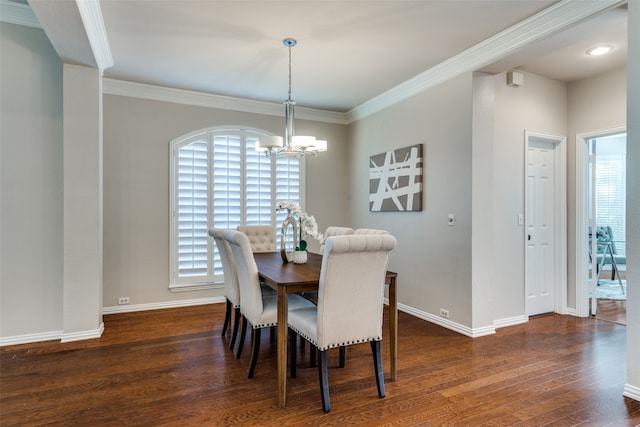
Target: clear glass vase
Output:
[{"x": 289, "y": 237}]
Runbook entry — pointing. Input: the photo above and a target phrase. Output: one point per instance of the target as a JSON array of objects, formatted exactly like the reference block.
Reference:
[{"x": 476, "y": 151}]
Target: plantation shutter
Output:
[
  {"x": 220, "y": 181},
  {"x": 227, "y": 186},
  {"x": 259, "y": 204},
  {"x": 192, "y": 209}
]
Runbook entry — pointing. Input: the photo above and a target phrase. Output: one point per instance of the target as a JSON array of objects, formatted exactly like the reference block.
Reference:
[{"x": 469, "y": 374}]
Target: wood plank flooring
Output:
[
  {"x": 172, "y": 367},
  {"x": 611, "y": 310}
]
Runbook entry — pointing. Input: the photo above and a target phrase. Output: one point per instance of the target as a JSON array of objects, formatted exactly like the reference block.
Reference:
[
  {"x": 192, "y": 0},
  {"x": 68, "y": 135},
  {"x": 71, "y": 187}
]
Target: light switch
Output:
[
  {"x": 520, "y": 219},
  {"x": 451, "y": 219}
]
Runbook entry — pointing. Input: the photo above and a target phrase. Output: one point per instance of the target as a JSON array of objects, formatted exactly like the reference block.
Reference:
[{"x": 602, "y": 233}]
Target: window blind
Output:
[{"x": 611, "y": 196}]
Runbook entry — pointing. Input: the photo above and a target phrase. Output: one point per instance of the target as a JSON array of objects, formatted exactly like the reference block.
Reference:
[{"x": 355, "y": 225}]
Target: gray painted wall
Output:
[
  {"x": 433, "y": 259},
  {"x": 539, "y": 105},
  {"x": 633, "y": 204},
  {"x": 31, "y": 240},
  {"x": 595, "y": 104},
  {"x": 136, "y": 191}
]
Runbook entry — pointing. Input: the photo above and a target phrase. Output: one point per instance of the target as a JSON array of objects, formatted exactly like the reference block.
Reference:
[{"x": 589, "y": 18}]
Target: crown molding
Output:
[
  {"x": 549, "y": 21},
  {"x": 13, "y": 12},
  {"x": 201, "y": 99},
  {"x": 91, "y": 15}
]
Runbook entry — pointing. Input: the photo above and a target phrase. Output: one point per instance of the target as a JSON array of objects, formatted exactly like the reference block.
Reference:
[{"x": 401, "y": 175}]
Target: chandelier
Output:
[{"x": 291, "y": 145}]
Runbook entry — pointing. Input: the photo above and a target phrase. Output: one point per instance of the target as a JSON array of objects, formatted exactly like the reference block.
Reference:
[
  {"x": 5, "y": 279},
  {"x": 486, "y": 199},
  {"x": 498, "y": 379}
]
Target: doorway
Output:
[
  {"x": 600, "y": 219},
  {"x": 545, "y": 224}
]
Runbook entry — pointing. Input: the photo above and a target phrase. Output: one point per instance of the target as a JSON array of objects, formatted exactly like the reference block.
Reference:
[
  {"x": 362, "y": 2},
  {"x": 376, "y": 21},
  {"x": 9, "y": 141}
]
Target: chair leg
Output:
[
  {"x": 377, "y": 365},
  {"x": 324, "y": 381},
  {"x": 313, "y": 351},
  {"x": 243, "y": 333},
  {"x": 227, "y": 318},
  {"x": 343, "y": 355},
  {"x": 234, "y": 334},
  {"x": 255, "y": 349},
  {"x": 293, "y": 337}
]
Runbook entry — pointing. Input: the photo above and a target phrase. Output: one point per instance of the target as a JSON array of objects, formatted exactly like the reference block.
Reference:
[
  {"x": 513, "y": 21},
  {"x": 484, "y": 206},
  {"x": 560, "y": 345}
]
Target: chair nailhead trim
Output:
[
  {"x": 335, "y": 345},
  {"x": 265, "y": 325}
]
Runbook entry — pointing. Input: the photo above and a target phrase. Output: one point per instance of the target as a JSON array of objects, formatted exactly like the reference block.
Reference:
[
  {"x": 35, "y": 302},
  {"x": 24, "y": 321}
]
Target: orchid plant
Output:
[{"x": 308, "y": 224}]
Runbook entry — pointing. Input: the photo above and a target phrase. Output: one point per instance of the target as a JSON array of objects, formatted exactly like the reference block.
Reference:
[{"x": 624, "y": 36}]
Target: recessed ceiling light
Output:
[{"x": 599, "y": 50}]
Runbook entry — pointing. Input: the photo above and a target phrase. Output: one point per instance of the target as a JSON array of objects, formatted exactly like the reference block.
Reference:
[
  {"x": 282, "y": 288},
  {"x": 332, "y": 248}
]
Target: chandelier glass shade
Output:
[{"x": 291, "y": 145}]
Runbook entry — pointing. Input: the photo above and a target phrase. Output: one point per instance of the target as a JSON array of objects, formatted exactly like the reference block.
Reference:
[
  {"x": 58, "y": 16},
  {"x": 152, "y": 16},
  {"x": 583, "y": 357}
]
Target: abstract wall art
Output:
[{"x": 395, "y": 180}]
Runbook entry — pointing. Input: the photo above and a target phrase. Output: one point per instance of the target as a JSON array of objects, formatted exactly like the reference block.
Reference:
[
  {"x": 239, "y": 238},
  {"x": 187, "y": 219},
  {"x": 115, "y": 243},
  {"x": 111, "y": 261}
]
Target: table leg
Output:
[
  {"x": 393, "y": 328},
  {"x": 282, "y": 345}
]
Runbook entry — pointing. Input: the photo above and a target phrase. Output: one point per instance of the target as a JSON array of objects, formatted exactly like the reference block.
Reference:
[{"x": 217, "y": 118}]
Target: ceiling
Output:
[{"x": 348, "y": 51}]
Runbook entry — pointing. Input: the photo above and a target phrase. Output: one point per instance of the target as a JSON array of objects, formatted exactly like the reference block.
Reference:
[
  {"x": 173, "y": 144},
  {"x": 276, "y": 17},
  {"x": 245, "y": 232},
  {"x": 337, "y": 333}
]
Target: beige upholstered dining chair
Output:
[
  {"x": 261, "y": 310},
  {"x": 350, "y": 303},
  {"x": 364, "y": 231},
  {"x": 335, "y": 231},
  {"x": 329, "y": 232},
  {"x": 262, "y": 238},
  {"x": 231, "y": 289}
]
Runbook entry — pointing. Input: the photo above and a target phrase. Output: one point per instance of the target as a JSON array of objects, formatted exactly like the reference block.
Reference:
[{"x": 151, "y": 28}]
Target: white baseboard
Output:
[
  {"x": 97, "y": 333},
  {"x": 30, "y": 338},
  {"x": 160, "y": 305},
  {"x": 446, "y": 323},
  {"x": 510, "y": 321},
  {"x": 83, "y": 335},
  {"x": 632, "y": 392}
]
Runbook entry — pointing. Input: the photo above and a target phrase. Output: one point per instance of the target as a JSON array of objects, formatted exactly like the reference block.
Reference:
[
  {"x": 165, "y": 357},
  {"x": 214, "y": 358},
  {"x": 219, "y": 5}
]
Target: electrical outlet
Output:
[
  {"x": 444, "y": 313},
  {"x": 451, "y": 219},
  {"x": 123, "y": 300}
]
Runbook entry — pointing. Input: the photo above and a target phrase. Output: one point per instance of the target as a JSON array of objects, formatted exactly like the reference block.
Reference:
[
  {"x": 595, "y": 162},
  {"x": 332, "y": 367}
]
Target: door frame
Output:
[
  {"x": 560, "y": 215},
  {"x": 582, "y": 216}
]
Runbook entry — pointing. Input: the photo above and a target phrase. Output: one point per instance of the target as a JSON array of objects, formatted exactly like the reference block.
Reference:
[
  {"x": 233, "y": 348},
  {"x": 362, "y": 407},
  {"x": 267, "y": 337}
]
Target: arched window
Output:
[{"x": 219, "y": 180}]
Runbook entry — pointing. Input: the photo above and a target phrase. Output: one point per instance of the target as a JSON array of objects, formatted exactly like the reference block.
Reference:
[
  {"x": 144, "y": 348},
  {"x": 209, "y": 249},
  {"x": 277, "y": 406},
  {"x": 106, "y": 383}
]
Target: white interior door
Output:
[{"x": 539, "y": 209}]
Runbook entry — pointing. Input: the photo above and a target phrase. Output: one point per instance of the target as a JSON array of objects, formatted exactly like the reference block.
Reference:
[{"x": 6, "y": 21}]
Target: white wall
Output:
[
  {"x": 31, "y": 184},
  {"x": 433, "y": 259},
  {"x": 136, "y": 191}
]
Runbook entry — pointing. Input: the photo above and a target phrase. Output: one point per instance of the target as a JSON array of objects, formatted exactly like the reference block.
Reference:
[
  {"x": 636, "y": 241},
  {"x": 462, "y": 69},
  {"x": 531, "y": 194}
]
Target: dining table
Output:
[{"x": 287, "y": 278}]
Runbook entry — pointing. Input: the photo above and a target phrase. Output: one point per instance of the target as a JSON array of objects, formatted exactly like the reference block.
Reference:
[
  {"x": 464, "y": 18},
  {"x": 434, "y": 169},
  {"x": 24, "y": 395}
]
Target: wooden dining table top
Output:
[{"x": 296, "y": 277}]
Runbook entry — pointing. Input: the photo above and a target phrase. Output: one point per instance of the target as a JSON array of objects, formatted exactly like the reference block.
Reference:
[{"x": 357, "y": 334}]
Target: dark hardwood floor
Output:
[
  {"x": 612, "y": 310},
  {"x": 172, "y": 367}
]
